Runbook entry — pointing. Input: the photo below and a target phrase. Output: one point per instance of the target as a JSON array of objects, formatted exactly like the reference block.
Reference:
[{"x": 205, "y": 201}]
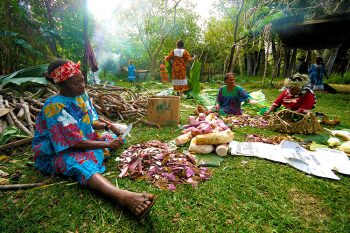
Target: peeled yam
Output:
[
  {"x": 345, "y": 135},
  {"x": 182, "y": 139},
  {"x": 222, "y": 149},
  {"x": 201, "y": 149},
  {"x": 215, "y": 138},
  {"x": 345, "y": 147}
]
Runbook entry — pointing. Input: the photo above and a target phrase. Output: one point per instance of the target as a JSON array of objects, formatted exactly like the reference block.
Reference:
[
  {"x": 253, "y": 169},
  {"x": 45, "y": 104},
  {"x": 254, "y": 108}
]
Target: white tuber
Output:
[
  {"x": 332, "y": 142},
  {"x": 345, "y": 147}
]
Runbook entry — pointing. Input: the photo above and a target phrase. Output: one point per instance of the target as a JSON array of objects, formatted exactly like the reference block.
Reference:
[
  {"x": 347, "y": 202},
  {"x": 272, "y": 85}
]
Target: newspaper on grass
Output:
[{"x": 319, "y": 163}]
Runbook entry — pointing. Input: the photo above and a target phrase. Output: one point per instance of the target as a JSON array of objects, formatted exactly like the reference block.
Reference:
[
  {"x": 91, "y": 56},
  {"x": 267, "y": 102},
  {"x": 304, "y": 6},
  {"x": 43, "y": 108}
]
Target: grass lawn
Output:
[{"x": 243, "y": 195}]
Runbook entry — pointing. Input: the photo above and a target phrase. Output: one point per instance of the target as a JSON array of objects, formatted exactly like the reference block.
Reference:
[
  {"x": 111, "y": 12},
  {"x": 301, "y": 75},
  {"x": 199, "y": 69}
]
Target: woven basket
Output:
[{"x": 287, "y": 121}]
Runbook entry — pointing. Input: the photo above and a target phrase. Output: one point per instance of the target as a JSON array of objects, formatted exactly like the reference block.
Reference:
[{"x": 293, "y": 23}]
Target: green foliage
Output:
[
  {"x": 11, "y": 133},
  {"x": 338, "y": 79},
  {"x": 195, "y": 74},
  {"x": 28, "y": 76}
]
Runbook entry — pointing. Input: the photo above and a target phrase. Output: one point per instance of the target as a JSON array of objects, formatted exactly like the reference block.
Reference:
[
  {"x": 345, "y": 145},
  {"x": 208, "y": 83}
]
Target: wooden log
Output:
[
  {"x": 50, "y": 91},
  {"x": 19, "y": 186},
  {"x": 1, "y": 125},
  {"x": 37, "y": 102},
  {"x": 16, "y": 143},
  {"x": 19, "y": 124},
  {"x": 8, "y": 116},
  {"x": 120, "y": 115},
  {"x": 27, "y": 114},
  {"x": 102, "y": 105},
  {"x": 4, "y": 124},
  {"x": 34, "y": 109}
]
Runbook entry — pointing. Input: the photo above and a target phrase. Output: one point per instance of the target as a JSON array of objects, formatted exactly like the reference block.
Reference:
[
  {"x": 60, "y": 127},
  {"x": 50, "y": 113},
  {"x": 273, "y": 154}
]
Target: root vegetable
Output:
[
  {"x": 345, "y": 147},
  {"x": 184, "y": 138},
  {"x": 333, "y": 142},
  {"x": 215, "y": 138},
  {"x": 201, "y": 149},
  {"x": 222, "y": 150}
]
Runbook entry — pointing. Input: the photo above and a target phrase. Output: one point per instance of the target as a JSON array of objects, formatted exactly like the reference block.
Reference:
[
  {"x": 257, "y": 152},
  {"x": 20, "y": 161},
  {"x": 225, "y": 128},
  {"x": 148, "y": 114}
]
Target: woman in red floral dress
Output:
[{"x": 179, "y": 56}]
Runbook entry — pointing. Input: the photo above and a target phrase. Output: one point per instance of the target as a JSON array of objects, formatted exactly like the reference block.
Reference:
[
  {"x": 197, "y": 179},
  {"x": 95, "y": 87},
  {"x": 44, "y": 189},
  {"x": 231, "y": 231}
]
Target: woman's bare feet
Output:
[{"x": 138, "y": 203}]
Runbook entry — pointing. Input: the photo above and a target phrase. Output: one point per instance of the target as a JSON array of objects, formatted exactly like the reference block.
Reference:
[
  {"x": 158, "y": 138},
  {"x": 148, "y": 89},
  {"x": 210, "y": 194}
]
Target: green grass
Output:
[{"x": 243, "y": 195}]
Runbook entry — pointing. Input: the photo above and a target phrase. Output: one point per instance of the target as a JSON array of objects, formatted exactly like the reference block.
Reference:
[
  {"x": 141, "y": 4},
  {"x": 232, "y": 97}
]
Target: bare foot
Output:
[{"x": 138, "y": 203}]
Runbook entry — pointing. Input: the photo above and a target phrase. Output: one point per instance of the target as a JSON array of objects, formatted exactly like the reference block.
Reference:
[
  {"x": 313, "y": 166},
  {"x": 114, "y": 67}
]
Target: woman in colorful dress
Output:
[
  {"x": 163, "y": 73},
  {"x": 231, "y": 96},
  {"x": 179, "y": 56},
  {"x": 66, "y": 143},
  {"x": 297, "y": 95}
]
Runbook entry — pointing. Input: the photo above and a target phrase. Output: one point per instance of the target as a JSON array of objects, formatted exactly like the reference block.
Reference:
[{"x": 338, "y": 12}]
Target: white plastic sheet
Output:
[{"x": 319, "y": 163}]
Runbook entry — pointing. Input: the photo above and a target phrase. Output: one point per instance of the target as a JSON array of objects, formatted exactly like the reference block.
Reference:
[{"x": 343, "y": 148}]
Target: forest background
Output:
[{"x": 235, "y": 36}]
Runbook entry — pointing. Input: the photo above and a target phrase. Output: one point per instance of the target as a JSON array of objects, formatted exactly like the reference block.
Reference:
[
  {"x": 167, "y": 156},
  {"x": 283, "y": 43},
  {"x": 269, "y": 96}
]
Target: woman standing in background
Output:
[{"x": 179, "y": 56}]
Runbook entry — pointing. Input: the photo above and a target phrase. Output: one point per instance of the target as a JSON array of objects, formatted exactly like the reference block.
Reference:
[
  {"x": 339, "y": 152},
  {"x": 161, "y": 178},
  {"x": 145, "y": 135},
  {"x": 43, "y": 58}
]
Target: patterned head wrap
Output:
[
  {"x": 65, "y": 71},
  {"x": 297, "y": 80}
]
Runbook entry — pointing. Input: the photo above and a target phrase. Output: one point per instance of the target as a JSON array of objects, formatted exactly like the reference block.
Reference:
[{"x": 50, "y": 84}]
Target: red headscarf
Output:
[{"x": 65, "y": 71}]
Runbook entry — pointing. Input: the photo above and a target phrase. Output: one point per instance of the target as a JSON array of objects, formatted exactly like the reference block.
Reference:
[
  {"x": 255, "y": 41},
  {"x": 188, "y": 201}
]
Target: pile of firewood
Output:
[{"x": 21, "y": 109}]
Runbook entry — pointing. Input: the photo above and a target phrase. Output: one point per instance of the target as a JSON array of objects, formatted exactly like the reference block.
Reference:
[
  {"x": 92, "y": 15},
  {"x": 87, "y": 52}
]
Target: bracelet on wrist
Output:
[{"x": 107, "y": 127}]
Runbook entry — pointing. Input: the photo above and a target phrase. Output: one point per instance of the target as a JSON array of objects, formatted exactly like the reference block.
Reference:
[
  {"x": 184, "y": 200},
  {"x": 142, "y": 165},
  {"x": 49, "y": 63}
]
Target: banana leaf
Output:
[
  {"x": 319, "y": 138},
  {"x": 195, "y": 74},
  {"x": 209, "y": 160},
  {"x": 169, "y": 68},
  {"x": 11, "y": 133},
  {"x": 31, "y": 75},
  {"x": 204, "y": 99}
]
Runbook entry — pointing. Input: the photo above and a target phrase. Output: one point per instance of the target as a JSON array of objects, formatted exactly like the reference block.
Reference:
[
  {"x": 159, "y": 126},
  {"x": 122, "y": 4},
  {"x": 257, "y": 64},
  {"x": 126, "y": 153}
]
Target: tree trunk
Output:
[
  {"x": 52, "y": 41},
  {"x": 286, "y": 62},
  {"x": 279, "y": 54},
  {"x": 249, "y": 64},
  {"x": 332, "y": 57},
  {"x": 229, "y": 68},
  {"x": 291, "y": 67},
  {"x": 85, "y": 65},
  {"x": 232, "y": 52}
]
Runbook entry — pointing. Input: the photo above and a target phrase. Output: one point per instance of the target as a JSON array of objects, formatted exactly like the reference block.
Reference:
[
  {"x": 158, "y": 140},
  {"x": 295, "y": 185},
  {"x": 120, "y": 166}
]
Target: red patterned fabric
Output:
[{"x": 65, "y": 71}]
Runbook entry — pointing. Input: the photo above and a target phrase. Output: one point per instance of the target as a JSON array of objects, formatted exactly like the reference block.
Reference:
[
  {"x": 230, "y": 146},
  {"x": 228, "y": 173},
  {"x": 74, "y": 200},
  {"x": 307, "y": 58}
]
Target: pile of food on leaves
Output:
[
  {"x": 246, "y": 120},
  {"x": 206, "y": 133},
  {"x": 161, "y": 165}
]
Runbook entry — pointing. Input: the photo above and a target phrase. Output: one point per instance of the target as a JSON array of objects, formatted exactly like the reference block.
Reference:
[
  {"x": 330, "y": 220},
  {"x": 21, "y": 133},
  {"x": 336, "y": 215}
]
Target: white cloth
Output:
[
  {"x": 179, "y": 82},
  {"x": 179, "y": 52}
]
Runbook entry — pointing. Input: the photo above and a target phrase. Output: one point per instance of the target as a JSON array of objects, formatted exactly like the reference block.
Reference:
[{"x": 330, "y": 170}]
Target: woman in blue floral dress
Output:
[{"x": 65, "y": 141}]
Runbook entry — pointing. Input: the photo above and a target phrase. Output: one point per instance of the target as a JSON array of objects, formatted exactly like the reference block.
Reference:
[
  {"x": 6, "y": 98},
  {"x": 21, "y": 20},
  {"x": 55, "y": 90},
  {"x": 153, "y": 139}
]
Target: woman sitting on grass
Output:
[
  {"x": 297, "y": 95},
  {"x": 231, "y": 96},
  {"x": 65, "y": 141}
]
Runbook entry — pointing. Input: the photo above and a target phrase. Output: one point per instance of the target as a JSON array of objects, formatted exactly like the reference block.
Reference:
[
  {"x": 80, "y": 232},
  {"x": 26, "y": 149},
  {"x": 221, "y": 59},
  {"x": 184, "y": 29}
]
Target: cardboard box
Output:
[{"x": 164, "y": 110}]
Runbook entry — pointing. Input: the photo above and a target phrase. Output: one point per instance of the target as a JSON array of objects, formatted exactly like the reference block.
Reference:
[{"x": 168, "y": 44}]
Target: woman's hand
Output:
[
  {"x": 115, "y": 129},
  {"x": 253, "y": 102},
  {"x": 115, "y": 143}
]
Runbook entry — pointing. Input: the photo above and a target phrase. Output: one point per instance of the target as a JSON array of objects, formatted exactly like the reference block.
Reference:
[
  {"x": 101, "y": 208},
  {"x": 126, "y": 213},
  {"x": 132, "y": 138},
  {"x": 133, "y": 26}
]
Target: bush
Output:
[{"x": 337, "y": 79}]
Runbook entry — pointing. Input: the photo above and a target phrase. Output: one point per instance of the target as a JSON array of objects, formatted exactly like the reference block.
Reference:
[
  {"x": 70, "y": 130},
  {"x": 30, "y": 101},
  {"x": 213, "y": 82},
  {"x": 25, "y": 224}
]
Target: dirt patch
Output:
[
  {"x": 341, "y": 87},
  {"x": 310, "y": 208}
]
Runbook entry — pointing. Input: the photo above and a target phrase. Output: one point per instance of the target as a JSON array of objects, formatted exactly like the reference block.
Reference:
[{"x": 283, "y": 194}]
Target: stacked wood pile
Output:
[{"x": 21, "y": 108}]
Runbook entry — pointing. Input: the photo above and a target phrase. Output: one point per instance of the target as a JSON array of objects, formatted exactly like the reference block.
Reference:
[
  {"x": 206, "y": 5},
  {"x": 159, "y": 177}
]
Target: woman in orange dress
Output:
[
  {"x": 179, "y": 56},
  {"x": 163, "y": 73}
]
